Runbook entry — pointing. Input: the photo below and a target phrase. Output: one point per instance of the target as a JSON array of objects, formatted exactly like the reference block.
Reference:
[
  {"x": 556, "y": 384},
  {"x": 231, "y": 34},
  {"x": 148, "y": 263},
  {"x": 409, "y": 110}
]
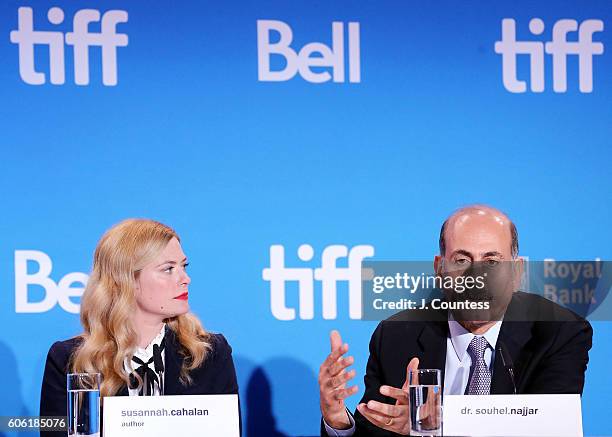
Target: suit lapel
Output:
[
  {"x": 432, "y": 341},
  {"x": 123, "y": 391},
  {"x": 173, "y": 363},
  {"x": 513, "y": 336}
]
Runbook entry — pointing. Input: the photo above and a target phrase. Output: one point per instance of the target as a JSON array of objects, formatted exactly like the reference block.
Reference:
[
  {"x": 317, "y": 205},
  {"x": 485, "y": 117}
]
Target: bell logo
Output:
[
  {"x": 328, "y": 274},
  {"x": 311, "y": 55},
  {"x": 80, "y": 39},
  {"x": 61, "y": 293},
  {"x": 559, "y": 48}
]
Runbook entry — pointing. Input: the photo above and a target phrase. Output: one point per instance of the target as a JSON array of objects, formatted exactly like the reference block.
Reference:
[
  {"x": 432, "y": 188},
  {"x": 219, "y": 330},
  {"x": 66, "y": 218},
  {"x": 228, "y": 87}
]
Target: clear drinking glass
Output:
[
  {"x": 425, "y": 402},
  {"x": 83, "y": 404}
]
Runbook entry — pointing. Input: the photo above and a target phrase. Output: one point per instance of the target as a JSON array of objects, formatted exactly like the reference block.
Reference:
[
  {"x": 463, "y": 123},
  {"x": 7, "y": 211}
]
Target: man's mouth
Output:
[{"x": 183, "y": 296}]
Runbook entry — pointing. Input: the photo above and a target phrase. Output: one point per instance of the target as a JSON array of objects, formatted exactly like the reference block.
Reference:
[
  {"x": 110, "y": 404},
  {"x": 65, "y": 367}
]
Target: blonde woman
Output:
[{"x": 136, "y": 322}]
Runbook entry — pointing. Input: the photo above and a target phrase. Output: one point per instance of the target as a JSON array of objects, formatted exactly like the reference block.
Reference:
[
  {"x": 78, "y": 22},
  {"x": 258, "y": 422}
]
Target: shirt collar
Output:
[
  {"x": 461, "y": 337},
  {"x": 148, "y": 351}
]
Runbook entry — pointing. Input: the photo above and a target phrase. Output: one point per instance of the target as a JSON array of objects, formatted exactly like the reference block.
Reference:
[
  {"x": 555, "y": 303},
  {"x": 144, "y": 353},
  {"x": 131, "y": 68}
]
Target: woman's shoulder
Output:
[
  {"x": 218, "y": 348},
  {"x": 219, "y": 344},
  {"x": 214, "y": 375},
  {"x": 57, "y": 366},
  {"x": 218, "y": 369},
  {"x": 60, "y": 351}
]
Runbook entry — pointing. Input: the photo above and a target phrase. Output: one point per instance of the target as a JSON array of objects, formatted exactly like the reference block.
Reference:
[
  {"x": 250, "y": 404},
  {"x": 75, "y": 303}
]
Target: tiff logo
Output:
[
  {"x": 313, "y": 55},
  {"x": 559, "y": 48},
  {"x": 328, "y": 274},
  {"x": 80, "y": 39}
]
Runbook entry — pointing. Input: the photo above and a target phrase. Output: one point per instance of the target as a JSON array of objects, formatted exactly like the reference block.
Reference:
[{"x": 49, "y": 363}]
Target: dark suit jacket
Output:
[
  {"x": 548, "y": 345},
  {"x": 215, "y": 376}
]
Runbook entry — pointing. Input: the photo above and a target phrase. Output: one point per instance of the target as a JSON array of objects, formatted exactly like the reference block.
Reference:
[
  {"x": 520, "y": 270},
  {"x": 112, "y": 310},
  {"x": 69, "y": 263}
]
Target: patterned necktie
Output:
[{"x": 480, "y": 383}]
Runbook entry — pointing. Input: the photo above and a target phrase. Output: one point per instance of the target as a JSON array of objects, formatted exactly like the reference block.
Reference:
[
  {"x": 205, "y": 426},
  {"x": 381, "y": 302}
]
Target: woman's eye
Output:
[{"x": 169, "y": 269}]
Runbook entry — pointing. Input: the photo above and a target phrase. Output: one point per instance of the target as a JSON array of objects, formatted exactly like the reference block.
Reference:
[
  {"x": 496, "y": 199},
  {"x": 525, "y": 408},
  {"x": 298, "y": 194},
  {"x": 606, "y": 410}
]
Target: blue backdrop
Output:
[{"x": 198, "y": 134}]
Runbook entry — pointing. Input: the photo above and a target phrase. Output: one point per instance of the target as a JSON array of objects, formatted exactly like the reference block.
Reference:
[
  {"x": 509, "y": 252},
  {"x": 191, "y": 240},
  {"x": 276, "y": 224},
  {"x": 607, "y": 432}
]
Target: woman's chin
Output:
[{"x": 178, "y": 309}]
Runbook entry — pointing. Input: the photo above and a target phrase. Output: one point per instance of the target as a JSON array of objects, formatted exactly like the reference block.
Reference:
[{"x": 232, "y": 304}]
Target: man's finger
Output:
[
  {"x": 336, "y": 353},
  {"x": 412, "y": 365},
  {"x": 401, "y": 396},
  {"x": 340, "y": 365},
  {"x": 341, "y": 379},
  {"x": 376, "y": 418},
  {"x": 335, "y": 340},
  {"x": 384, "y": 409},
  {"x": 343, "y": 393}
]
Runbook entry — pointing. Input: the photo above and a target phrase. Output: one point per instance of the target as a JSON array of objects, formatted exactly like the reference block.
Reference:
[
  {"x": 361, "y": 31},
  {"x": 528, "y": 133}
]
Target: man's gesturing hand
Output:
[
  {"x": 333, "y": 377},
  {"x": 396, "y": 417}
]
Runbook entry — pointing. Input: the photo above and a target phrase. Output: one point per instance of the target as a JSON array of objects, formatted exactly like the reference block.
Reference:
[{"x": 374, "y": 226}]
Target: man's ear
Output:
[
  {"x": 438, "y": 264},
  {"x": 518, "y": 267}
]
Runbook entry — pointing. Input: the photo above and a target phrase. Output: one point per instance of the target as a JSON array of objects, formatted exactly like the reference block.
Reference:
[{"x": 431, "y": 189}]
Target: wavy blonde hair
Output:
[{"x": 109, "y": 300}]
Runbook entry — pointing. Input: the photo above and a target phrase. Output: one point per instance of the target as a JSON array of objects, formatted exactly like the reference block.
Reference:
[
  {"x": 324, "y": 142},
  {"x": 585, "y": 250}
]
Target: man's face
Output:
[{"x": 478, "y": 243}]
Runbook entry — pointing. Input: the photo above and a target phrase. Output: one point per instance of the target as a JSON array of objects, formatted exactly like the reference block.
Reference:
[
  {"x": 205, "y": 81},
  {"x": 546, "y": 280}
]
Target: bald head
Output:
[{"x": 482, "y": 228}]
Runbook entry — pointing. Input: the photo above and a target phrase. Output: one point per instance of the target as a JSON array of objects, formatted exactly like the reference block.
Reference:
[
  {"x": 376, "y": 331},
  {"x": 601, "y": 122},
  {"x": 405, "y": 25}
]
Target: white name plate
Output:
[
  {"x": 163, "y": 416},
  {"x": 512, "y": 415}
]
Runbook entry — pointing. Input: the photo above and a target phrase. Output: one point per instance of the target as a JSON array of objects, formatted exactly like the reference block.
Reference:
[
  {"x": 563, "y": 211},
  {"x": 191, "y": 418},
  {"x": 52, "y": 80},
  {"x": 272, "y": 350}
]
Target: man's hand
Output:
[
  {"x": 395, "y": 418},
  {"x": 332, "y": 384}
]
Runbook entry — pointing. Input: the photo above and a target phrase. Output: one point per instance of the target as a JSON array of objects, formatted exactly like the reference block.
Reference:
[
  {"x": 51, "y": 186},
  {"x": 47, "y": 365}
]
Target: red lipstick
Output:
[{"x": 183, "y": 296}]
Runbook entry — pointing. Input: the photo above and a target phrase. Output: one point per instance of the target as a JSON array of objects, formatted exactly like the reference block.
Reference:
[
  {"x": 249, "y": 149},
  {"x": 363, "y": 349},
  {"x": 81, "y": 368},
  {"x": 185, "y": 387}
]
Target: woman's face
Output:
[{"x": 161, "y": 288}]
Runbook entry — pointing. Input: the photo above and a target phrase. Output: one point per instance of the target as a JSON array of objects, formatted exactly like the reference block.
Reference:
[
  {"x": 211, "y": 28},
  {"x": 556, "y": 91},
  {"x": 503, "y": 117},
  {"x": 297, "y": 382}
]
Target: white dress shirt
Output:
[
  {"x": 456, "y": 370},
  {"x": 145, "y": 355},
  {"x": 459, "y": 361}
]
